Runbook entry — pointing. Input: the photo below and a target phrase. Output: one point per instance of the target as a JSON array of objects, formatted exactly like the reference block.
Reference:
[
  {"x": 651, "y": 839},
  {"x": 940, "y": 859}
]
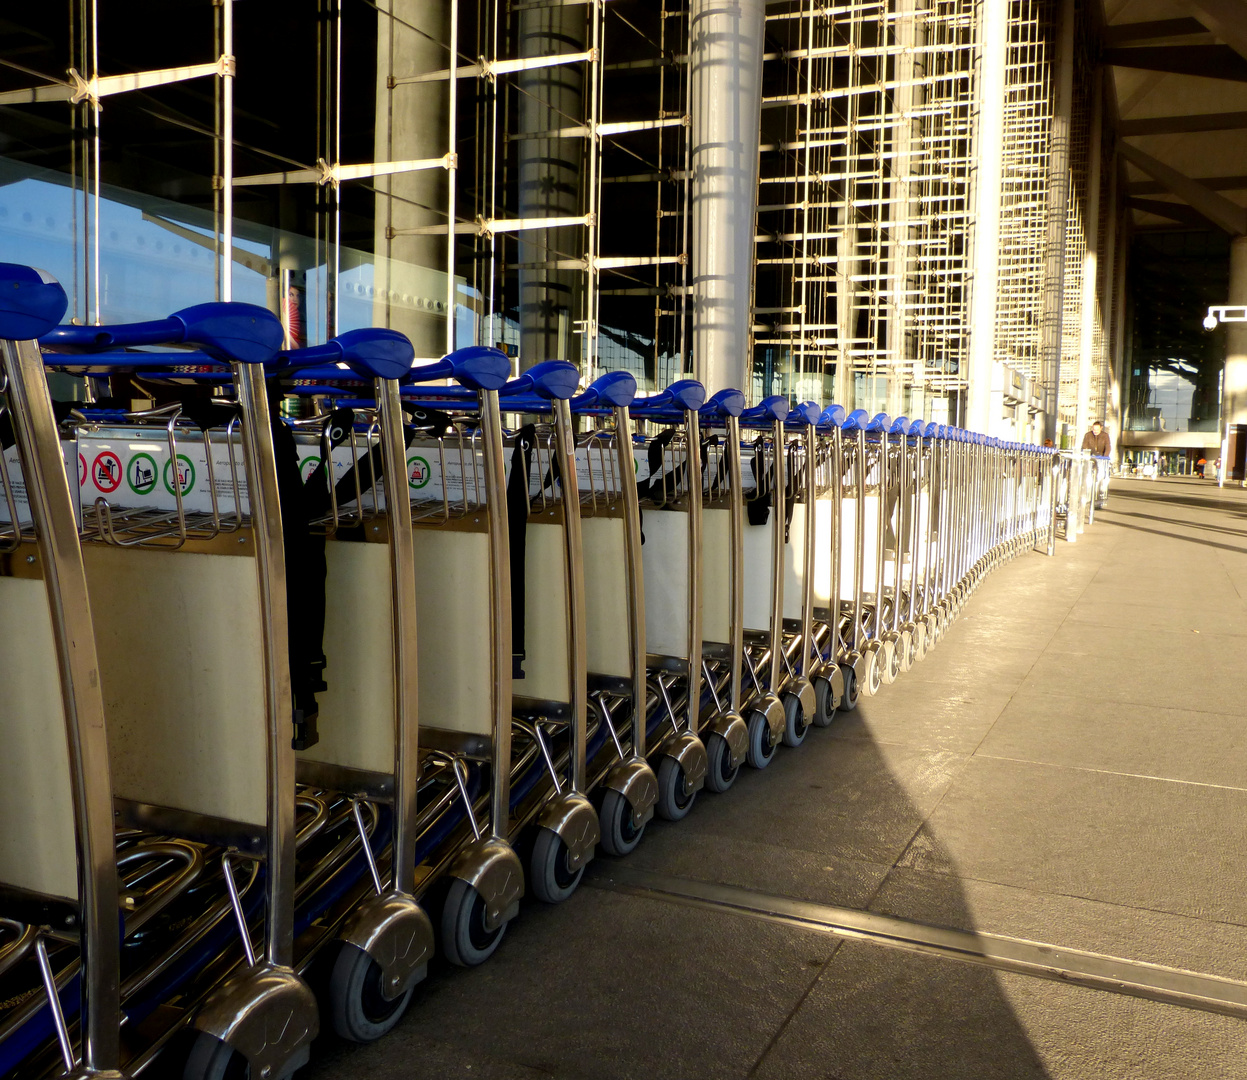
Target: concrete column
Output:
[
  {"x": 549, "y": 178},
  {"x": 1112, "y": 239},
  {"x": 989, "y": 161},
  {"x": 1234, "y": 392},
  {"x": 725, "y": 102},
  {"x": 1058, "y": 216},
  {"x": 1090, "y": 262},
  {"x": 412, "y": 123}
]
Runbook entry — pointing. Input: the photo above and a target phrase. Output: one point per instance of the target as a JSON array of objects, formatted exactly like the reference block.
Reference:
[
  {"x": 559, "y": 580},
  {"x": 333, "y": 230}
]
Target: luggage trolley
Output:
[
  {"x": 668, "y": 472},
  {"x": 808, "y": 562},
  {"x": 58, "y": 873},
  {"x": 550, "y": 670},
  {"x": 723, "y": 589},
  {"x": 898, "y": 629},
  {"x": 368, "y": 728},
  {"x": 864, "y": 523},
  {"x": 614, "y": 612},
  {"x": 781, "y": 700},
  {"x": 522, "y": 542},
  {"x": 188, "y": 599}
]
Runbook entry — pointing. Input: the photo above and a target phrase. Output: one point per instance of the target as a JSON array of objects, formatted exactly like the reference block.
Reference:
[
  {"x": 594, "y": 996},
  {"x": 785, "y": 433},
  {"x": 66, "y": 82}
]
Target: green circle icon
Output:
[
  {"x": 186, "y": 475},
  {"x": 141, "y": 474},
  {"x": 309, "y": 466},
  {"x": 418, "y": 472}
]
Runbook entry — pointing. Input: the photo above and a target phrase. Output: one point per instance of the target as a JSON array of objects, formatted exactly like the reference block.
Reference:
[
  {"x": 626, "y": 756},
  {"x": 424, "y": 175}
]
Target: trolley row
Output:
[{"x": 318, "y": 662}]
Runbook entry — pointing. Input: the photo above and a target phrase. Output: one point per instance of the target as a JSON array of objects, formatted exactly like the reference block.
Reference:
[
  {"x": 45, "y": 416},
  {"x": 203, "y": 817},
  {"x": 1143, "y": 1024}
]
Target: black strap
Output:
[
  {"x": 790, "y": 484},
  {"x": 517, "y": 530},
  {"x": 305, "y": 582},
  {"x": 426, "y": 421},
  {"x": 758, "y": 508}
]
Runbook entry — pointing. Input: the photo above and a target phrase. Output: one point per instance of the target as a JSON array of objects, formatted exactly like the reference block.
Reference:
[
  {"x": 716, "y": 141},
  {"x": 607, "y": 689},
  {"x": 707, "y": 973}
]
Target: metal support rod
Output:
[
  {"x": 53, "y": 510},
  {"x": 227, "y": 153}
]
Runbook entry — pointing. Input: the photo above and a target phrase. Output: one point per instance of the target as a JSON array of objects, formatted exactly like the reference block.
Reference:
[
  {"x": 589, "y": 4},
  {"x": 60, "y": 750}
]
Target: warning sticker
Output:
[
  {"x": 149, "y": 475},
  {"x": 141, "y": 473},
  {"x": 106, "y": 472},
  {"x": 17, "y": 482}
]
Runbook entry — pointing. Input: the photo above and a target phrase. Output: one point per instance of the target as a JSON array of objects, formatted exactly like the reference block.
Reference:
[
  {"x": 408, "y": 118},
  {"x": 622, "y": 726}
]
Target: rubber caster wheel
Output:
[
  {"x": 874, "y": 677},
  {"x": 619, "y": 835},
  {"x": 673, "y": 802},
  {"x": 795, "y": 725},
  {"x": 465, "y": 941},
  {"x": 358, "y": 1005},
  {"x": 719, "y": 772},
  {"x": 894, "y": 670},
  {"x": 549, "y": 875},
  {"x": 761, "y": 748},
  {"x": 212, "y": 1059},
  {"x": 849, "y": 702},
  {"x": 824, "y": 711}
]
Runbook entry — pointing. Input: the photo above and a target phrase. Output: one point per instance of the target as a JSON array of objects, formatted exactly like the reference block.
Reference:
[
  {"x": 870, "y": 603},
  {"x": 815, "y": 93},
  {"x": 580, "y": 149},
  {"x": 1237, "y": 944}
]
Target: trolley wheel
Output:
[
  {"x": 212, "y": 1059},
  {"x": 761, "y": 749},
  {"x": 874, "y": 677},
  {"x": 849, "y": 701},
  {"x": 796, "y": 727},
  {"x": 619, "y": 835},
  {"x": 894, "y": 662},
  {"x": 358, "y": 1004},
  {"x": 719, "y": 772},
  {"x": 824, "y": 711},
  {"x": 465, "y": 941},
  {"x": 673, "y": 803},
  {"x": 549, "y": 874}
]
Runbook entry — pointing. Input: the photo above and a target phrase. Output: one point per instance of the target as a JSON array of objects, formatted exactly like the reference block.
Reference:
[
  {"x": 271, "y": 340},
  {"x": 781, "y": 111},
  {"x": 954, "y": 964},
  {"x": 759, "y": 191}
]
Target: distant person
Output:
[
  {"x": 1200, "y": 465},
  {"x": 1047, "y": 442},
  {"x": 1096, "y": 440}
]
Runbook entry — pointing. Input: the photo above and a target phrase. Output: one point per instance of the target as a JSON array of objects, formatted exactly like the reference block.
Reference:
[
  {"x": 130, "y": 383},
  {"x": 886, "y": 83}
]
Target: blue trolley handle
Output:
[{"x": 228, "y": 331}]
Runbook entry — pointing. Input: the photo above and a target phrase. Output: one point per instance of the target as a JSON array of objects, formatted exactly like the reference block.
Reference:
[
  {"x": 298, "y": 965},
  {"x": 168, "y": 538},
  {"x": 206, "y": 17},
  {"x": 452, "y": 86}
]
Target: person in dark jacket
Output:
[{"x": 1096, "y": 440}]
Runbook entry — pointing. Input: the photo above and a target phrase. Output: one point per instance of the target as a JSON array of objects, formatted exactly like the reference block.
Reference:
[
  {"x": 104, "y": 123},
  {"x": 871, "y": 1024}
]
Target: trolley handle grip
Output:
[
  {"x": 767, "y": 411},
  {"x": 856, "y": 421},
  {"x": 728, "y": 402},
  {"x": 32, "y": 302},
  {"x": 880, "y": 425},
  {"x": 553, "y": 380},
  {"x": 231, "y": 331},
  {"x": 476, "y": 367},
  {"x": 804, "y": 415},
  {"x": 684, "y": 395},
  {"x": 615, "y": 389},
  {"x": 832, "y": 416}
]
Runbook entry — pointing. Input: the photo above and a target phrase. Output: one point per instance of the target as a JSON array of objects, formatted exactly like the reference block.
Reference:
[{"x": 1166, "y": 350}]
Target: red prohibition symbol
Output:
[{"x": 106, "y": 472}]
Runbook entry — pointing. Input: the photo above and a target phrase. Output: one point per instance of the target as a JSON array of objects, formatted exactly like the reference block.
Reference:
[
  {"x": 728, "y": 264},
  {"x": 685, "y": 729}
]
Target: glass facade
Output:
[{"x": 1174, "y": 367}]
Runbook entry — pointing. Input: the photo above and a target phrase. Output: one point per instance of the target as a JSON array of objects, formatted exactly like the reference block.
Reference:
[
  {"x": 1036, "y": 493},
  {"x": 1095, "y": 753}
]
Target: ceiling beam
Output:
[
  {"x": 1225, "y": 18},
  {"x": 1157, "y": 30},
  {"x": 1177, "y": 125},
  {"x": 1212, "y": 183},
  {"x": 1209, "y": 61},
  {"x": 1173, "y": 211},
  {"x": 1216, "y": 208}
]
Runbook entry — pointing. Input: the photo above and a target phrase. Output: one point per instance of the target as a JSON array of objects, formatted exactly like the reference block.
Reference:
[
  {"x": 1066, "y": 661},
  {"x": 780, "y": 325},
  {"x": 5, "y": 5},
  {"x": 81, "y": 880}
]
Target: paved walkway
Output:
[{"x": 1069, "y": 767}]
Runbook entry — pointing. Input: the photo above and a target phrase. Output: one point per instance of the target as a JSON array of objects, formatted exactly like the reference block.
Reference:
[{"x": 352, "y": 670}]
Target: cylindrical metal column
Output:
[
  {"x": 1090, "y": 262},
  {"x": 989, "y": 163},
  {"x": 725, "y": 102},
  {"x": 549, "y": 182},
  {"x": 1058, "y": 215},
  {"x": 412, "y": 38}
]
